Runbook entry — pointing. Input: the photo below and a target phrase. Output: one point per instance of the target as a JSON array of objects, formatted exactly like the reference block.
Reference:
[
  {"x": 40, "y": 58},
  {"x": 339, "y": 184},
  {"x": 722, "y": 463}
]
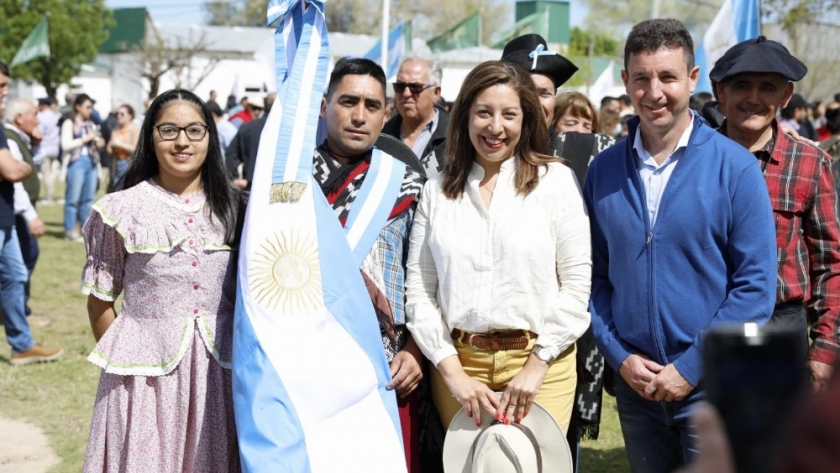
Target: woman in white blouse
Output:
[{"x": 499, "y": 261}]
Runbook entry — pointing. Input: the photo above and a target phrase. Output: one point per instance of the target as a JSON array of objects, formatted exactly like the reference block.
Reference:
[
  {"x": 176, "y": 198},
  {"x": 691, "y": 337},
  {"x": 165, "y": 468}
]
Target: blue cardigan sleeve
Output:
[
  {"x": 600, "y": 299},
  {"x": 751, "y": 253}
]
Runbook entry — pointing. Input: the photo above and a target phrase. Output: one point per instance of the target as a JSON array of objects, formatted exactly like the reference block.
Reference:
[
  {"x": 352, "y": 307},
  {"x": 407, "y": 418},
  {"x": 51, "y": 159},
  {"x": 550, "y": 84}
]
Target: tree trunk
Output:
[
  {"x": 154, "y": 86},
  {"x": 46, "y": 81}
]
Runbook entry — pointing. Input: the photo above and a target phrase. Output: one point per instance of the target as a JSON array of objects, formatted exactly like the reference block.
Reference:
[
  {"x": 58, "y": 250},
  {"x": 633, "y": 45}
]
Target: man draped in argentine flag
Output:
[{"x": 310, "y": 376}]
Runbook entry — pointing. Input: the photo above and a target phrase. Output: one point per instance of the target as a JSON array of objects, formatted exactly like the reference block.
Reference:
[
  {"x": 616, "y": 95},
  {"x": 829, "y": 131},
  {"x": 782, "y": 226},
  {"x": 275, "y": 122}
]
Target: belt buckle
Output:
[
  {"x": 470, "y": 342},
  {"x": 494, "y": 342}
]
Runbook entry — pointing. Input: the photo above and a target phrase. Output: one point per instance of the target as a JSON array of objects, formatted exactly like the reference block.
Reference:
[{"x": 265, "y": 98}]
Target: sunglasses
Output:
[{"x": 414, "y": 87}]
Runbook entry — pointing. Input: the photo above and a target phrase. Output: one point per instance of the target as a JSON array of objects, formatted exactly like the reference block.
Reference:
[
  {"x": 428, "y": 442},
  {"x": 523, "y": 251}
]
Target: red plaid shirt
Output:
[{"x": 807, "y": 236}]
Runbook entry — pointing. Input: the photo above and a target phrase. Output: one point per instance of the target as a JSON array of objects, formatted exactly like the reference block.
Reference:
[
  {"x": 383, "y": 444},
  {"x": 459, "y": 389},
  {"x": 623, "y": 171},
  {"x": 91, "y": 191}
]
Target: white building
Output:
[{"x": 233, "y": 61}]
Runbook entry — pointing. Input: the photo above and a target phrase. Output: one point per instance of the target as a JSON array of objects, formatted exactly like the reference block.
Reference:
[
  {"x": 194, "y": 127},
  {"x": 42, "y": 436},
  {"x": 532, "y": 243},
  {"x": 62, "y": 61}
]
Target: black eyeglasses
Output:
[
  {"x": 171, "y": 132},
  {"x": 414, "y": 87}
]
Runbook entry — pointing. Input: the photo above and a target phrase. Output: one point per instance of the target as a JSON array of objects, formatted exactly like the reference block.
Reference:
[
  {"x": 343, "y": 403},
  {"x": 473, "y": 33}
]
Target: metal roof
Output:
[{"x": 218, "y": 39}]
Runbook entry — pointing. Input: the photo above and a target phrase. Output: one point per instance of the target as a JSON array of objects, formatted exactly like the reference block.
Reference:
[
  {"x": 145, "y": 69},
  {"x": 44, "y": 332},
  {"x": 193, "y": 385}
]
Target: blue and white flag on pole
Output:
[
  {"x": 737, "y": 20},
  {"x": 309, "y": 368},
  {"x": 396, "y": 48}
]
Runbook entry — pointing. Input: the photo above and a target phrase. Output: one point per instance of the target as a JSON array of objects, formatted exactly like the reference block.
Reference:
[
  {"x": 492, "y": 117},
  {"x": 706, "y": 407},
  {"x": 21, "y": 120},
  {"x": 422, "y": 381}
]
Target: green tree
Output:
[
  {"x": 580, "y": 41},
  {"x": 789, "y": 14},
  {"x": 157, "y": 58},
  {"x": 236, "y": 12},
  {"x": 76, "y": 30},
  {"x": 602, "y": 44},
  {"x": 364, "y": 16},
  {"x": 620, "y": 17},
  {"x": 432, "y": 18},
  {"x": 809, "y": 29}
]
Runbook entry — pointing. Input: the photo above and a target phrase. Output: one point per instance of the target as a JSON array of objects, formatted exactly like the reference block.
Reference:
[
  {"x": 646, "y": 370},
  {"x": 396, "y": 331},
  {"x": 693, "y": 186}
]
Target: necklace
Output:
[
  {"x": 487, "y": 190},
  {"x": 491, "y": 182}
]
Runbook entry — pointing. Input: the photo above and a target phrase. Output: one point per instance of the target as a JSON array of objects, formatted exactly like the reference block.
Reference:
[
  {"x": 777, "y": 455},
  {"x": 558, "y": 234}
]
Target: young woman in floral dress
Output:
[{"x": 164, "y": 402}]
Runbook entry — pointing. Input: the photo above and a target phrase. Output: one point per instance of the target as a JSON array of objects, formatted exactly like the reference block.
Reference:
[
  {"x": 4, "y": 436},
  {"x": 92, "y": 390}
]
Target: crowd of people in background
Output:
[{"x": 508, "y": 168}]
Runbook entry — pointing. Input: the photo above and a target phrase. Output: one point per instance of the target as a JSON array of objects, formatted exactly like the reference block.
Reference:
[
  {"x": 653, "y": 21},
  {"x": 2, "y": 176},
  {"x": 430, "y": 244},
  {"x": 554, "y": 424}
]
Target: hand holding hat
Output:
[
  {"x": 519, "y": 394},
  {"x": 478, "y": 400},
  {"x": 538, "y": 444}
]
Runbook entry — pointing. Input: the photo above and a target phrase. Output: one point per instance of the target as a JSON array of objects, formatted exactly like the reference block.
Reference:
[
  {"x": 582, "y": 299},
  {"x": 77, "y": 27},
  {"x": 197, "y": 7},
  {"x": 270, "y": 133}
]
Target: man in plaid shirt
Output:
[{"x": 753, "y": 80}]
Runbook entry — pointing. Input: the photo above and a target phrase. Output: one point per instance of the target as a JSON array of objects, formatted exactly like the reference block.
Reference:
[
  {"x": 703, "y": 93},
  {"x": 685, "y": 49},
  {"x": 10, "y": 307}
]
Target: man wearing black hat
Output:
[
  {"x": 753, "y": 80},
  {"x": 549, "y": 71}
]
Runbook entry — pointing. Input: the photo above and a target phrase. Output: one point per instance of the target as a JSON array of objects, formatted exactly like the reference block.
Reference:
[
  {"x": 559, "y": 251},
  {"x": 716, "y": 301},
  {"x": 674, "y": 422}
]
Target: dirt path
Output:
[{"x": 24, "y": 448}]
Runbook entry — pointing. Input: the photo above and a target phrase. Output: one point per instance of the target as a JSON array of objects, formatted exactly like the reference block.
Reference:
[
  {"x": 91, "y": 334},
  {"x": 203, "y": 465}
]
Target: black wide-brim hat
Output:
[
  {"x": 531, "y": 52},
  {"x": 758, "y": 56}
]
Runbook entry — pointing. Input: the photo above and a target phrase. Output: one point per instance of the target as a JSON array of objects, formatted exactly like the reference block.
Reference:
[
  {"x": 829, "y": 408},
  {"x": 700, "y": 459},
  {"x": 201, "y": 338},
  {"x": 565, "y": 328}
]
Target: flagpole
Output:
[
  {"x": 386, "y": 19},
  {"x": 760, "y": 26},
  {"x": 547, "y": 23},
  {"x": 481, "y": 26}
]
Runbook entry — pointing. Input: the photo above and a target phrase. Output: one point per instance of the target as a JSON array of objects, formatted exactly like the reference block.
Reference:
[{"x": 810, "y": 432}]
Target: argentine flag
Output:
[
  {"x": 396, "y": 47},
  {"x": 309, "y": 369},
  {"x": 737, "y": 21}
]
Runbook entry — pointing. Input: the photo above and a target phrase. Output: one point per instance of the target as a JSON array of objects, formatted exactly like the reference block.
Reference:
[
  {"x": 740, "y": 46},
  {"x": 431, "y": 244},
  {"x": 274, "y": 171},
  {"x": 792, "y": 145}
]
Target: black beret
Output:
[
  {"x": 759, "y": 55},
  {"x": 45, "y": 101},
  {"x": 531, "y": 52}
]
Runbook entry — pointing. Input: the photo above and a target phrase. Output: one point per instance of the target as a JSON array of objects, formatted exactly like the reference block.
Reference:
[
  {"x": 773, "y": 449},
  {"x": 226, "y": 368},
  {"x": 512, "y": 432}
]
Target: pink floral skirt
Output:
[{"x": 180, "y": 422}]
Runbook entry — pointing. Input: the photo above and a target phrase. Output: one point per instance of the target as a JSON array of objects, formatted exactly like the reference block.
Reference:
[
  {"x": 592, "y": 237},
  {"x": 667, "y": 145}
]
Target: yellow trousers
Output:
[{"x": 496, "y": 369}]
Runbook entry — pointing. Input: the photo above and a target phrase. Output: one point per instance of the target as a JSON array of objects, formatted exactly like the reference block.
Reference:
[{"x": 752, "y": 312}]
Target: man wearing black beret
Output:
[
  {"x": 752, "y": 81},
  {"x": 549, "y": 70}
]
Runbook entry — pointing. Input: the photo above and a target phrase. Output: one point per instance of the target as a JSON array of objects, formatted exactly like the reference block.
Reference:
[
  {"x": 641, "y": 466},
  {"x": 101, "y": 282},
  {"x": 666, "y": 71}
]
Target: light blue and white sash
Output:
[
  {"x": 309, "y": 369},
  {"x": 372, "y": 206}
]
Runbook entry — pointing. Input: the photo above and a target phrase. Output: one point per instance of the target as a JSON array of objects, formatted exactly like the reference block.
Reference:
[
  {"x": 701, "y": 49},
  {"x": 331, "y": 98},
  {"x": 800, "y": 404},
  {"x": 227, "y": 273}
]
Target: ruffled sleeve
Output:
[{"x": 104, "y": 269}]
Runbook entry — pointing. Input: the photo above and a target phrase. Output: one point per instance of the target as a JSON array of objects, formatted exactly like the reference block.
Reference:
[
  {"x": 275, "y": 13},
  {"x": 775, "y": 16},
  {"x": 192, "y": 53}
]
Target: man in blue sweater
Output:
[{"x": 682, "y": 240}]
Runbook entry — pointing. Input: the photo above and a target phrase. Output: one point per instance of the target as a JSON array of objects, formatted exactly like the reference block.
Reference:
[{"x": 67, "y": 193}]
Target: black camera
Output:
[{"x": 753, "y": 377}]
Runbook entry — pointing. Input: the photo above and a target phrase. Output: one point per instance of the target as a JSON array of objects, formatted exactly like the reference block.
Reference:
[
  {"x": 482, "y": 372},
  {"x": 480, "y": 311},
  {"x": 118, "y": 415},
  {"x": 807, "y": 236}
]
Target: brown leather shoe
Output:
[{"x": 36, "y": 354}]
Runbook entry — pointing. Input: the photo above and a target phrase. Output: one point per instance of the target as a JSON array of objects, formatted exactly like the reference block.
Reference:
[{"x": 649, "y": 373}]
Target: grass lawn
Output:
[{"x": 58, "y": 397}]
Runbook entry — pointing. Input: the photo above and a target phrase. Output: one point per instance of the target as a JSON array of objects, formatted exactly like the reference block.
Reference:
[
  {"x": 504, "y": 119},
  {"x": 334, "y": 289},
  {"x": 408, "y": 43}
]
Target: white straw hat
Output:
[{"x": 537, "y": 445}]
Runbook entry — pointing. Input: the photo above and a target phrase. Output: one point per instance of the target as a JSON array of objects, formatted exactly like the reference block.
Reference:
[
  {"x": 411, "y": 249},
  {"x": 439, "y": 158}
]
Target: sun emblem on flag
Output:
[{"x": 286, "y": 274}]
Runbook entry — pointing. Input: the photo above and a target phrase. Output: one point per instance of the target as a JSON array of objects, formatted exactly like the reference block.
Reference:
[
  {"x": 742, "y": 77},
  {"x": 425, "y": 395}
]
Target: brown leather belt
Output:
[{"x": 495, "y": 341}]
